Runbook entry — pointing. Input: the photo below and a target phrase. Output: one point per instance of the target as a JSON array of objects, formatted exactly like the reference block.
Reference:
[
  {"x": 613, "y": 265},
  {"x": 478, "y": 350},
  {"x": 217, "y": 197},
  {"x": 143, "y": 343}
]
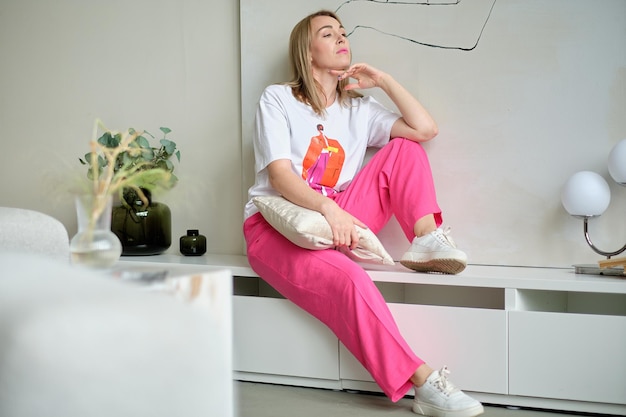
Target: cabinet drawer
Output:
[
  {"x": 273, "y": 336},
  {"x": 471, "y": 342},
  {"x": 568, "y": 356}
]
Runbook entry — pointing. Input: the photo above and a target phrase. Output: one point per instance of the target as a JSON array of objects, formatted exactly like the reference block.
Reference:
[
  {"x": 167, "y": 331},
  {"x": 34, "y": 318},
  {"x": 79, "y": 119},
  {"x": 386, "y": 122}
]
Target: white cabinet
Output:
[
  {"x": 535, "y": 337},
  {"x": 470, "y": 341},
  {"x": 579, "y": 357},
  {"x": 272, "y": 336},
  {"x": 569, "y": 345}
]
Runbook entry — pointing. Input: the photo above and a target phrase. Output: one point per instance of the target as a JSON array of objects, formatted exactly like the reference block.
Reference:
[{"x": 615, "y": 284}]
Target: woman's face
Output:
[{"x": 330, "y": 48}]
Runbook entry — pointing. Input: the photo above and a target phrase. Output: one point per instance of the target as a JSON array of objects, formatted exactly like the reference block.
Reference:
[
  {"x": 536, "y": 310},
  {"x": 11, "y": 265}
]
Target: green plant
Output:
[{"x": 119, "y": 161}]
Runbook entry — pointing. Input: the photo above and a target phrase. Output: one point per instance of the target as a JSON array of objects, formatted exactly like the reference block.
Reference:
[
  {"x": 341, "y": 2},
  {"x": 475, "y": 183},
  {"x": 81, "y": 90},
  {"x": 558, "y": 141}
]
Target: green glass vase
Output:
[{"x": 143, "y": 229}]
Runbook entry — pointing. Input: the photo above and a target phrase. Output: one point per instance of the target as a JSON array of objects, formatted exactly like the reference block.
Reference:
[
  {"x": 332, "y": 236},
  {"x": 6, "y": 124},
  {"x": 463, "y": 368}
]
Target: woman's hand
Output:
[
  {"x": 343, "y": 227},
  {"x": 290, "y": 185},
  {"x": 365, "y": 75},
  {"x": 416, "y": 123}
]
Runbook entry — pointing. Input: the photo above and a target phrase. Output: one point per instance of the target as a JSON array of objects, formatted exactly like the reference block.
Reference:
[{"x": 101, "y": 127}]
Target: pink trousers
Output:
[{"x": 337, "y": 291}]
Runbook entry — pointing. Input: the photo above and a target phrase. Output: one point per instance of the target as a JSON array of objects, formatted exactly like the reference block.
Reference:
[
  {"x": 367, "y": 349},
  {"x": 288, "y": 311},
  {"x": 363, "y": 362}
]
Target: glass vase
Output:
[
  {"x": 144, "y": 228},
  {"x": 94, "y": 245}
]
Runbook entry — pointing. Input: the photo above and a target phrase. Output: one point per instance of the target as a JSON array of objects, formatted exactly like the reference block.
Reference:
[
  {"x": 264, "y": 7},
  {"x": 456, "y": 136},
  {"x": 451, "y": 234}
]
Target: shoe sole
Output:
[
  {"x": 442, "y": 266},
  {"x": 432, "y": 411}
]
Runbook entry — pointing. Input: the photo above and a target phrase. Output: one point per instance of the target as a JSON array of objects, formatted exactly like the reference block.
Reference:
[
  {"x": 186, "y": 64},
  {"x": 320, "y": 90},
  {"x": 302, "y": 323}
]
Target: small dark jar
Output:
[{"x": 193, "y": 244}]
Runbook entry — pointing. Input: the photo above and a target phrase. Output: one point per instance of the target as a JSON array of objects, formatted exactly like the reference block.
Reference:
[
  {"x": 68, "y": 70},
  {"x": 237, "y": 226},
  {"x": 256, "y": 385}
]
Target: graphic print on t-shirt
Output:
[{"x": 323, "y": 162}]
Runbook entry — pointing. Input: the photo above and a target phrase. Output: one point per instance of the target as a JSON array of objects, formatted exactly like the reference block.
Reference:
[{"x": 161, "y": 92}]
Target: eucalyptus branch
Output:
[{"x": 119, "y": 160}]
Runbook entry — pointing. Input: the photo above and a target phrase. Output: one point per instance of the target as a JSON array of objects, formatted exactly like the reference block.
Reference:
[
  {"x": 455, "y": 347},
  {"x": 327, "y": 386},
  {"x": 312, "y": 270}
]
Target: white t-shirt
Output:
[{"x": 326, "y": 152}]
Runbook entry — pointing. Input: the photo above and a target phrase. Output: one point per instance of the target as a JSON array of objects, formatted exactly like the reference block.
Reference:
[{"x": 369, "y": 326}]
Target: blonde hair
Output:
[{"x": 304, "y": 87}]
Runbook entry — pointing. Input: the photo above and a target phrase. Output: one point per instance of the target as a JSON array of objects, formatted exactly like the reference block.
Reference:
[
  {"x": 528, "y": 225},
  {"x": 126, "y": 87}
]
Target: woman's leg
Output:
[
  {"x": 339, "y": 293},
  {"x": 398, "y": 180}
]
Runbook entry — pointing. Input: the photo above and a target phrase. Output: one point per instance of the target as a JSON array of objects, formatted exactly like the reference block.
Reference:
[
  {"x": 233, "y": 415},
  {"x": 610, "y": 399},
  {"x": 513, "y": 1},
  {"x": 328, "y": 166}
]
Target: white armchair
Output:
[{"x": 30, "y": 231}]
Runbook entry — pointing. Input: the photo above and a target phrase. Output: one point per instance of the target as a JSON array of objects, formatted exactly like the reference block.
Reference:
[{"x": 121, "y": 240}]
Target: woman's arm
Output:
[
  {"x": 293, "y": 188},
  {"x": 416, "y": 123}
]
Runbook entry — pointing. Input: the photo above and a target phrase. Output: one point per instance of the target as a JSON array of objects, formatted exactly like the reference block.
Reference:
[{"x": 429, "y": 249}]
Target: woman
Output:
[{"x": 310, "y": 139}]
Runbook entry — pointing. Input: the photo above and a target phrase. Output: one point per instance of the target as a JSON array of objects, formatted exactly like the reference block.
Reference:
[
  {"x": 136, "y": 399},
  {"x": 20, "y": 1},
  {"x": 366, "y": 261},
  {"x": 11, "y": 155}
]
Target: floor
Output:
[{"x": 266, "y": 400}]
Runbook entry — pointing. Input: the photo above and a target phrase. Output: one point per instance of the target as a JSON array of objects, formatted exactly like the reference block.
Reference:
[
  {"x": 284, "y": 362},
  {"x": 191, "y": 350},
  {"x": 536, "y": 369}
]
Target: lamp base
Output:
[{"x": 594, "y": 269}]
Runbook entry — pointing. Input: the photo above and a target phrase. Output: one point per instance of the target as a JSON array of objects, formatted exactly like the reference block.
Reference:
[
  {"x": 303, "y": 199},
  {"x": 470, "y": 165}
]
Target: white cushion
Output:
[{"x": 308, "y": 229}]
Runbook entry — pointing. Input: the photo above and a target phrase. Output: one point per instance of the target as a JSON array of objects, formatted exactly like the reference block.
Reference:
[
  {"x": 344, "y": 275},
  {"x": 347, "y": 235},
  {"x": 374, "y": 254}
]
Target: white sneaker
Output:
[
  {"x": 438, "y": 397},
  {"x": 435, "y": 252}
]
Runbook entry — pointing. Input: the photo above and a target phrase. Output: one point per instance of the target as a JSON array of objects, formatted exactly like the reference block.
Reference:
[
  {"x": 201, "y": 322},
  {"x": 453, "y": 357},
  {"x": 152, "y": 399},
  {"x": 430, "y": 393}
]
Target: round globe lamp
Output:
[
  {"x": 586, "y": 194},
  {"x": 617, "y": 162}
]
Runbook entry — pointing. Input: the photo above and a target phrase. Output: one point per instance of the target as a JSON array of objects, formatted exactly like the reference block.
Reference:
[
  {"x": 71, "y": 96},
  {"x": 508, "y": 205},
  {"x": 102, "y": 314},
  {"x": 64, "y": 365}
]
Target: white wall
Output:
[
  {"x": 139, "y": 63},
  {"x": 541, "y": 96}
]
